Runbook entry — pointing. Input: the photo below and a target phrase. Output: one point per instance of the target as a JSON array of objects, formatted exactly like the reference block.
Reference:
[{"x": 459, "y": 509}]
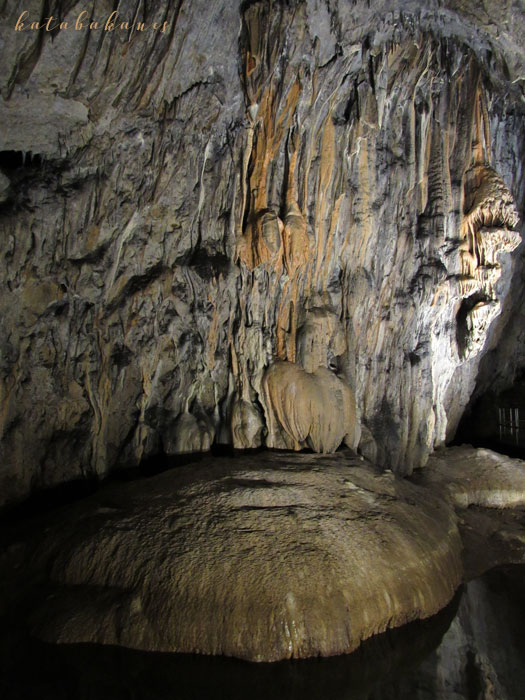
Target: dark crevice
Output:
[
  {"x": 134, "y": 285},
  {"x": 209, "y": 264},
  {"x": 17, "y": 160},
  {"x": 49, "y": 499}
]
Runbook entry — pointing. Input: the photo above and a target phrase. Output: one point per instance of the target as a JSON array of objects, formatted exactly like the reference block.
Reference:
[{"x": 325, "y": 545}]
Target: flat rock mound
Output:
[
  {"x": 477, "y": 476},
  {"x": 261, "y": 557}
]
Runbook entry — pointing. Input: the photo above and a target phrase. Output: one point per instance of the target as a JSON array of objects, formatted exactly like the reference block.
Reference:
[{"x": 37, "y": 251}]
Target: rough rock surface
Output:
[
  {"x": 488, "y": 492},
  {"x": 478, "y": 477},
  {"x": 263, "y": 558},
  {"x": 34, "y": 669},
  {"x": 184, "y": 208},
  {"x": 481, "y": 655},
  {"x": 304, "y": 409}
]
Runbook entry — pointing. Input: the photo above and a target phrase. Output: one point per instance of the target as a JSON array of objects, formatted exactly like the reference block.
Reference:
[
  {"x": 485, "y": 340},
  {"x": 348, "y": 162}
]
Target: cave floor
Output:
[{"x": 124, "y": 567}]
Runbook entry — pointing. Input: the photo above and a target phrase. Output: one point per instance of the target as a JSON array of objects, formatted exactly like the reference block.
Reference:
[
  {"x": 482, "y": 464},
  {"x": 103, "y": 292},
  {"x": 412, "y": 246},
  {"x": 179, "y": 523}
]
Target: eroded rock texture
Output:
[
  {"x": 323, "y": 185},
  {"x": 263, "y": 557},
  {"x": 478, "y": 477},
  {"x": 268, "y": 558}
]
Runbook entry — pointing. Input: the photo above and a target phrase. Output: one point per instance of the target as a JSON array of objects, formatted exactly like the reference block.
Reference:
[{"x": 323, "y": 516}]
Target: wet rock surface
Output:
[
  {"x": 265, "y": 556},
  {"x": 487, "y": 490},
  {"x": 262, "y": 557},
  {"x": 481, "y": 653},
  {"x": 268, "y": 556},
  {"x": 33, "y": 669}
]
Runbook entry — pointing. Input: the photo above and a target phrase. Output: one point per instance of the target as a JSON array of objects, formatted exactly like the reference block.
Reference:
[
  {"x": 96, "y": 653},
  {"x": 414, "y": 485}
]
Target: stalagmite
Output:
[
  {"x": 247, "y": 424},
  {"x": 190, "y": 434},
  {"x": 308, "y": 409}
]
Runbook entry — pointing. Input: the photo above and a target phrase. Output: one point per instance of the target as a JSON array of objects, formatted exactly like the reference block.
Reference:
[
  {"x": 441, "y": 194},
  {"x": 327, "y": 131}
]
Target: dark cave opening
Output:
[
  {"x": 496, "y": 421},
  {"x": 15, "y": 160}
]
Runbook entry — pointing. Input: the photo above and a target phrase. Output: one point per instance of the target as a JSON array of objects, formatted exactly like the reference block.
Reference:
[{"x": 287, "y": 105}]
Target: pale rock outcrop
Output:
[
  {"x": 478, "y": 477},
  {"x": 487, "y": 230},
  {"x": 320, "y": 340},
  {"x": 263, "y": 558},
  {"x": 306, "y": 403}
]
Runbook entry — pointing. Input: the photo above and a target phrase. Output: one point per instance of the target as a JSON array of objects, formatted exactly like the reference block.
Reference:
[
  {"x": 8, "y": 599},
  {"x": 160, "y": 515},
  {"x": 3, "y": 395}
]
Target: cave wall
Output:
[
  {"x": 480, "y": 654},
  {"x": 260, "y": 183}
]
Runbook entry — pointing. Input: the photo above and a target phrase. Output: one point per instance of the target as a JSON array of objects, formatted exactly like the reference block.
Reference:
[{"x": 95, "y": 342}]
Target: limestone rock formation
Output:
[
  {"x": 488, "y": 492},
  {"x": 308, "y": 409},
  {"x": 88, "y": 671},
  {"x": 176, "y": 205},
  {"x": 488, "y": 229},
  {"x": 247, "y": 425},
  {"x": 478, "y": 477},
  {"x": 480, "y": 654},
  {"x": 190, "y": 434},
  {"x": 262, "y": 558}
]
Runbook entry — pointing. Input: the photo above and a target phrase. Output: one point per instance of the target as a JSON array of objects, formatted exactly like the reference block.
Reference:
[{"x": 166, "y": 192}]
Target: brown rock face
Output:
[
  {"x": 322, "y": 184},
  {"x": 304, "y": 409}
]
